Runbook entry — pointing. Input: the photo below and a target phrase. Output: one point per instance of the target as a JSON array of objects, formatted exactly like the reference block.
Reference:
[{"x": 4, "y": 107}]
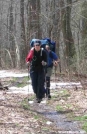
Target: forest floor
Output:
[{"x": 66, "y": 112}]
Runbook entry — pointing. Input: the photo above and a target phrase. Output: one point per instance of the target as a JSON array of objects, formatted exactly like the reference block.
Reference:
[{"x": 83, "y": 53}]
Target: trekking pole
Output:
[
  {"x": 46, "y": 88},
  {"x": 55, "y": 75},
  {"x": 28, "y": 83},
  {"x": 59, "y": 66}
]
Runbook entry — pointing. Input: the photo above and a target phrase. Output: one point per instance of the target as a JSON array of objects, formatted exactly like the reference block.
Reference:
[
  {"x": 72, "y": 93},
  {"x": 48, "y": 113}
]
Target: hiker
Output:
[
  {"x": 52, "y": 60},
  {"x": 36, "y": 60}
]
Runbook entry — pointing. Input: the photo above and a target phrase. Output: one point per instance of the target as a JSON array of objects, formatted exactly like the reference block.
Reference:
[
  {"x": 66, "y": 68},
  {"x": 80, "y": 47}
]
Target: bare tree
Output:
[
  {"x": 23, "y": 34},
  {"x": 67, "y": 33},
  {"x": 64, "y": 21},
  {"x": 11, "y": 37},
  {"x": 0, "y": 35}
]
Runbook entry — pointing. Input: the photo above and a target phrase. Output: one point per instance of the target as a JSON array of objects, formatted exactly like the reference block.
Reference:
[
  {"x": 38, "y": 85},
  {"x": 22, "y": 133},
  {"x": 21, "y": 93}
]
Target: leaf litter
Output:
[{"x": 53, "y": 116}]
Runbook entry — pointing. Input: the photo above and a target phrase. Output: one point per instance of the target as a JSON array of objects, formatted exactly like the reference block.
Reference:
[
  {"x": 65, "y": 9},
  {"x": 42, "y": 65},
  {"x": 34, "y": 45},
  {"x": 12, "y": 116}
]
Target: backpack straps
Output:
[{"x": 41, "y": 51}]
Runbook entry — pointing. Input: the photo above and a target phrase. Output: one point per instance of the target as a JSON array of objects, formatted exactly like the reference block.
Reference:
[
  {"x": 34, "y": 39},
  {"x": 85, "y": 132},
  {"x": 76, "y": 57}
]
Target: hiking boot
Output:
[
  {"x": 43, "y": 96},
  {"x": 39, "y": 100},
  {"x": 48, "y": 93},
  {"x": 49, "y": 96}
]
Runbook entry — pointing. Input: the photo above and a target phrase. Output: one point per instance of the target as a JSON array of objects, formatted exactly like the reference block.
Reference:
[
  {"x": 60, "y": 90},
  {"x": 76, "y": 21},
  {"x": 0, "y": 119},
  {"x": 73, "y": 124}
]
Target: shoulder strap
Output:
[
  {"x": 32, "y": 48},
  {"x": 41, "y": 51}
]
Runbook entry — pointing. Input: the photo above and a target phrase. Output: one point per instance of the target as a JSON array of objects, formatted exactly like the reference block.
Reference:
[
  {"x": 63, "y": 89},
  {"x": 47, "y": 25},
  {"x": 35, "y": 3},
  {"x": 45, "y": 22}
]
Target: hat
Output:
[{"x": 37, "y": 41}]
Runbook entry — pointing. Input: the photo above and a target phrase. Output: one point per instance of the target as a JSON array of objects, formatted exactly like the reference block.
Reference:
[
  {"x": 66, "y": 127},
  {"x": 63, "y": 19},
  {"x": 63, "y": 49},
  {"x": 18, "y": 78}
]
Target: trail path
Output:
[{"x": 17, "y": 116}]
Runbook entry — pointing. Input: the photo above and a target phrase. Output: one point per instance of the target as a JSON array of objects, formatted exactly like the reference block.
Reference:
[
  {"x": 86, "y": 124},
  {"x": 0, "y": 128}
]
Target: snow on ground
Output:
[
  {"x": 25, "y": 90},
  {"x": 28, "y": 88},
  {"x": 7, "y": 73},
  {"x": 65, "y": 85}
]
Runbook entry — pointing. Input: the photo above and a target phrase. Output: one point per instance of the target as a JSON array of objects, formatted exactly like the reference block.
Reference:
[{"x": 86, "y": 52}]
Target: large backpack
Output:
[
  {"x": 45, "y": 41},
  {"x": 48, "y": 41}
]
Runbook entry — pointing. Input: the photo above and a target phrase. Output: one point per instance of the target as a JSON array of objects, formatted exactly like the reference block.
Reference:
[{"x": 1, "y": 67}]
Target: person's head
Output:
[
  {"x": 47, "y": 47},
  {"x": 37, "y": 44}
]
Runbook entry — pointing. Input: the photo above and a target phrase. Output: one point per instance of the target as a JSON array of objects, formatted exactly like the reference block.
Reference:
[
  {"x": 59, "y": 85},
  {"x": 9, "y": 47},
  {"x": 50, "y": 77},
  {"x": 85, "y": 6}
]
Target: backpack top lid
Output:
[
  {"x": 43, "y": 43},
  {"x": 47, "y": 41}
]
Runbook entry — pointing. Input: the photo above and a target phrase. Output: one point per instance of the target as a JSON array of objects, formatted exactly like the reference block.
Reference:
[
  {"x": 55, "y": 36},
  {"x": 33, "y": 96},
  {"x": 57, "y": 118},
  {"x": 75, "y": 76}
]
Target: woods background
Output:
[{"x": 64, "y": 21}]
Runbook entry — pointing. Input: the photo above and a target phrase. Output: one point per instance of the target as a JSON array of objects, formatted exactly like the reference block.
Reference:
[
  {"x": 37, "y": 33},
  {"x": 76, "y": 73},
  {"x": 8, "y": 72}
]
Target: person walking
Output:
[
  {"x": 52, "y": 60},
  {"x": 36, "y": 60}
]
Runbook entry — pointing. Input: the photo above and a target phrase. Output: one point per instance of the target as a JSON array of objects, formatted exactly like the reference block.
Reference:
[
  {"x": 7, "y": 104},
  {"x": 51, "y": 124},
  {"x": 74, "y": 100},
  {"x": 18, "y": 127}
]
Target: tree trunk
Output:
[
  {"x": 1, "y": 34},
  {"x": 67, "y": 34},
  {"x": 24, "y": 49},
  {"x": 28, "y": 24},
  {"x": 11, "y": 33}
]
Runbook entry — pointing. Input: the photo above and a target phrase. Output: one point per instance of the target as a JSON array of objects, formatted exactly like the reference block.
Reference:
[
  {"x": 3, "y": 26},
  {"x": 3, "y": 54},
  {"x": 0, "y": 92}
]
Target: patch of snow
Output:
[
  {"x": 28, "y": 89},
  {"x": 25, "y": 90},
  {"x": 62, "y": 100},
  {"x": 31, "y": 102},
  {"x": 43, "y": 102},
  {"x": 48, "y": 122},
  {"x": 65, "y": 85},
  {"x": 6, "y": 73}
]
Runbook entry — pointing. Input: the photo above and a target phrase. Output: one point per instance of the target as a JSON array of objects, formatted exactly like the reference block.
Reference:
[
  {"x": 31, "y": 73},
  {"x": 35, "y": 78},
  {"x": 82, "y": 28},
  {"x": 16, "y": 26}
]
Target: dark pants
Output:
[
  {"x": 37, "y": 78},
  {"x": 47, "y": 82}
]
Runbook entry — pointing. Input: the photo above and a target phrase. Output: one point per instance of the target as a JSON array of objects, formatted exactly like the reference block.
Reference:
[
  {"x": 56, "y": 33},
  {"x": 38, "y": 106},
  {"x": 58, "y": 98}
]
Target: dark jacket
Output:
[{"x": 36, "y": 59}]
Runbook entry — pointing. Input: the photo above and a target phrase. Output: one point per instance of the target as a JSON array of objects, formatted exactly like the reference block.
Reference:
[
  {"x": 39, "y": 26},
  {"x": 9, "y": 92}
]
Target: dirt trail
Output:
[
  {"x": 17, "y": 116},
  {"x": 59, "y": 119}
]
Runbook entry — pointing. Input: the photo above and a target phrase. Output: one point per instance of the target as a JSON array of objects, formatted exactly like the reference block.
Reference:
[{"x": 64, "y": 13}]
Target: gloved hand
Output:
[
  {"x": 44, "y": 63},
  {"x": 55, "y": 63},
  {"x": 28, "y": 63}
]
